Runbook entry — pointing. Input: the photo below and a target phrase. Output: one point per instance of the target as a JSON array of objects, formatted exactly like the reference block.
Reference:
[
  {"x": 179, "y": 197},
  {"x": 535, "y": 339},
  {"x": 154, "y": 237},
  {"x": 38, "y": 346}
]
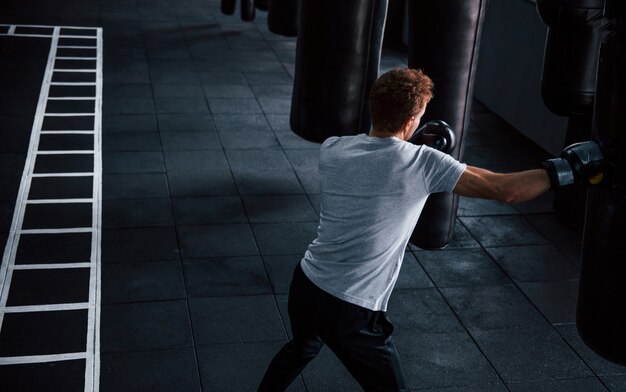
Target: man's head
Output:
[{"x": 398, "y": 99}]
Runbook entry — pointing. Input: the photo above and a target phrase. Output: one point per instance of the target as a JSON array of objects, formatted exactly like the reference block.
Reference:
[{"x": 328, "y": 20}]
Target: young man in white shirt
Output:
[{"x": 373, "y": 189}]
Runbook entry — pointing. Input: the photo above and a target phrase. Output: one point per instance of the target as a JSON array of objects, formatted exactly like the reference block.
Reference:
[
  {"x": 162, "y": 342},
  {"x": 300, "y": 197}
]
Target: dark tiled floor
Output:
[{"x": 210, "y": 201}]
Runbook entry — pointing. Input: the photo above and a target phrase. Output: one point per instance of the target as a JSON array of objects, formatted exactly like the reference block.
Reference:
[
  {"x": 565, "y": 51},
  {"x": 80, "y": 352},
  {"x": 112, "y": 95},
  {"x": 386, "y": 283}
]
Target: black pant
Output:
[{"x": 361, "y": 339}]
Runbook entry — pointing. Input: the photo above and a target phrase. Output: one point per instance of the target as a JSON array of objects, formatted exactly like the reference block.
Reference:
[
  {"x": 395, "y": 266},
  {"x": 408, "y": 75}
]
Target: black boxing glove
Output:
[
  {"x": 436, "y": 134},
  {"x": 580, "y": 164}
]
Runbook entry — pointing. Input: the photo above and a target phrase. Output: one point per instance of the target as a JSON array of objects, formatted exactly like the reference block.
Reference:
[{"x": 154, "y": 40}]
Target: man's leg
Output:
[
  {"x": 305, "y": 345},
  {"x": 364, "y": 346}
]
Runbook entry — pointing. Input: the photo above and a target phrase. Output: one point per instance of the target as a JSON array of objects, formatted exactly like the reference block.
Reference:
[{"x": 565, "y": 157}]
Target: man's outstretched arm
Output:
[{"x": 505, "y": 187}]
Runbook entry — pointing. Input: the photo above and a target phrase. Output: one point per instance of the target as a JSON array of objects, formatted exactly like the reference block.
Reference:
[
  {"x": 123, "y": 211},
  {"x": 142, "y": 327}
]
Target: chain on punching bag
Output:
[
  {"x": 444, "y": 38},
  {"x": 601, "y": 313},
  {"x": 337, "y": 58}
]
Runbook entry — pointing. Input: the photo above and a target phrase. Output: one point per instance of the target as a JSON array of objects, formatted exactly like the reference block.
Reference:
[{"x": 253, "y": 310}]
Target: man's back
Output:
[{"x": 372, "y": 192}]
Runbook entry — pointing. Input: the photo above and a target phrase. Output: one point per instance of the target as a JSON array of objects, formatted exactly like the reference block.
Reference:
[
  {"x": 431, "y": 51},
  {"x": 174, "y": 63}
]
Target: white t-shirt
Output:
[{"x": 372, "y": 193}]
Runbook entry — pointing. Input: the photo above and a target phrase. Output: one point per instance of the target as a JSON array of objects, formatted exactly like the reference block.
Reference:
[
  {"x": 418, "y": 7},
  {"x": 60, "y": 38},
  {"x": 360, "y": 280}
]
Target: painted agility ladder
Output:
[{"x": 61, "y": 183}]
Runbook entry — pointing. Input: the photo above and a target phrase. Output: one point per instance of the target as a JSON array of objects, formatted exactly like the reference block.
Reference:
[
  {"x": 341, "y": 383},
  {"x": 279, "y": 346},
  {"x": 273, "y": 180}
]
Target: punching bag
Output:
[
  {"x": 282, "y": 17},
  {"x": 568, "y": 80},
  {"x": 601, "y": 313},
  {"x": 444, "y": 38},
  {"x": 337, "y": 58}
]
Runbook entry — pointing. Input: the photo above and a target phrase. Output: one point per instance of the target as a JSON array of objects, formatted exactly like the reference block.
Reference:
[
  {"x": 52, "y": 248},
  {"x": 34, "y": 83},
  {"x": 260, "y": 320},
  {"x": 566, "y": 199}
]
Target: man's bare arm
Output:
[{"x": 506, "y": 187}]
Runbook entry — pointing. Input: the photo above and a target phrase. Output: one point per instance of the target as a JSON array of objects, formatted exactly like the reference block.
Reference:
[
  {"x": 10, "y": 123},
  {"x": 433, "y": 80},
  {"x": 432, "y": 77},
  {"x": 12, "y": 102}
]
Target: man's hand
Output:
[{"x": 580, "y": 164}]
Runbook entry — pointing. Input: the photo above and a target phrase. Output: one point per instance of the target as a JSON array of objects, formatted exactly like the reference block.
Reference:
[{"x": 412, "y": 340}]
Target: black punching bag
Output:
[
  {"x": 444, "y": 38},
  {"x": 601, "y": 315},
  {"x": 337, "y": 58},
  {"x": 282, "y": 17},
  {"x": 568, "y": 80}
]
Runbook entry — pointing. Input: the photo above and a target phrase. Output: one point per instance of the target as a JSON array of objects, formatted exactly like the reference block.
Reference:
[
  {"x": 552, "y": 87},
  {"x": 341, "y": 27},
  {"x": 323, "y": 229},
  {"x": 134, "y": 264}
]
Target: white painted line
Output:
[
  {"x": 11, "y": 30},
  {"x": 75, "y": 58},
  {"x": 69, "y": 114},
  {"x": 57, "y": 231},
  {"x": 46, "y": 175},
  {"x": 71, "y": 98},
  {"x": 75, "y": 70},
  {"x": 65, "y": 152},
  {"x": 44, "y": 308},
  {"x": 78, "y": 36},
  {"x": 76, "y": 47},
  {"x": 72, "y": 83},
  {"x": 32, "y": 35},
  {"x": 41, "y": 358},
  {"x": 51, "y": 266},
  {"x": 92, "y": 366},
  {"x": 59, "y": 201},
  {"x": 67, "y": 132}
]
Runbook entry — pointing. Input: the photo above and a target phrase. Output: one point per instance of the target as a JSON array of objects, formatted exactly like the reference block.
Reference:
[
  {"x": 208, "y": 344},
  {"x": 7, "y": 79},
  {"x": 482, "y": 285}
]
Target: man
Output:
[{"x": 373, "y": 189}]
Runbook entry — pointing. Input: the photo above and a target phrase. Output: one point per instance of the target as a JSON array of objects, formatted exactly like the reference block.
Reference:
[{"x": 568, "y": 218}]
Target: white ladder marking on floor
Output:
[{"x": 91, "y": 355}]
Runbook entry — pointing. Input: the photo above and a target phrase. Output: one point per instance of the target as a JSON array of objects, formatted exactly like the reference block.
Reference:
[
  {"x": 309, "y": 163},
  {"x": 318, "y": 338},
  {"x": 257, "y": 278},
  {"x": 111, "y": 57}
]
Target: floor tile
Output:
[
  {"x": 615, "y": 383},
  {"x": 209, "y": 210},
  {"x": 139, "y": 244},
  {"x": 530, "y": 354},
  {"x": 57, "y": 216},
  {"x": 443, "y": 360},
  {"x": 145, "y": 326},
  {"x": 267, "y": 182},
  {"x": 493, "y": 307},
  {"x": 216, "y": 241},
  {"x": 131, "y": 141},
  {"x": 272, "y": 209},
  {"x": 141, "y": 282},
  {"x": 198, "y": 162},
  {"x": 284, "y": 238},
  {"x": 480, "y": 207},
  {"x": 220, "y": 366},
  {"x": 210, "y": 183},
  {"x": 412, "y": 275},
  {"x": 555, "y": 300},
  {"x": 128, "y": 123},
  {"x": 190, "y": 140},
  {"x": 137, "y": 213},
  {"x": 169, "y": 105},
  {"x": 534, "y": 263},
  {"x": 134, "y": 186},
  {"x": 419, "y": 311},
  {"x": 167, "y": 370},
  {"x": 234, "y": 105},
  {"x": 133, "y": 162},
  {"x": 56, "y": 286},
  {"x": 42, "y": 333},
  {"x": 599, "y": 365},
  {"x": 461, "y": 268},
  {"x": 235, "y": 319},
  {"x": 503, "y": 231},
  {"x": 225, "y": 276},
  {"x": 53, "y": 376},
  {"x": 280, "y": 270},
  {"x": 575, "y": 385},
  {"x": 185, "y": 122}
]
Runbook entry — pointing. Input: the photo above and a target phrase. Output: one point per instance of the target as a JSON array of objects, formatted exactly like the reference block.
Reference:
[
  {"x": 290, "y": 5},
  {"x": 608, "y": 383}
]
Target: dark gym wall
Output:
[{"x": 508, "y": 79}]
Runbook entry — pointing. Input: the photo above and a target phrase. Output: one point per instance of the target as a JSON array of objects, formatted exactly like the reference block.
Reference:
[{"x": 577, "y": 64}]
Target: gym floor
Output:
[{"x": 208, "y": 201}]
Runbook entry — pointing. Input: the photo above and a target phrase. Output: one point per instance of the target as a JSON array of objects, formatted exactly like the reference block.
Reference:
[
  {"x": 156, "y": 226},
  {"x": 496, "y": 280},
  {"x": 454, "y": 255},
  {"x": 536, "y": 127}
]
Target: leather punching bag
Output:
[
  {"x": 444, "y": 38},
  {"x": 337, "y": 58},
  {"x": 601, "y": 313},
  {"x": 570, "y": 60},
  {"x": 568, "y": 80},
  {"x": 282, "y": 17}
]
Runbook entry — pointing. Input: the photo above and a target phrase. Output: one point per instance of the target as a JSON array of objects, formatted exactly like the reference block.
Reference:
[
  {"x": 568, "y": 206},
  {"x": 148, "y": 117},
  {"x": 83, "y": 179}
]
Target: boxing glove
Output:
[
  {"x": 436, "y": 134},
  {"x": 579, "y": 164}
]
